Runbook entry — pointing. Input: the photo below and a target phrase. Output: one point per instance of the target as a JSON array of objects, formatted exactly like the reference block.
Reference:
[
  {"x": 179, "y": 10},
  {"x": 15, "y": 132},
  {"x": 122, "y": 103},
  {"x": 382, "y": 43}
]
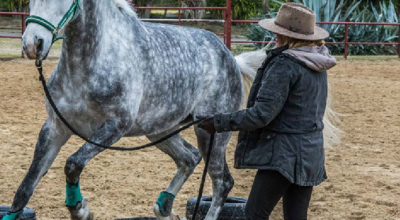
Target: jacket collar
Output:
[
  {"x": 276, "y": 51},
  {"x": 271, "y": 54}
]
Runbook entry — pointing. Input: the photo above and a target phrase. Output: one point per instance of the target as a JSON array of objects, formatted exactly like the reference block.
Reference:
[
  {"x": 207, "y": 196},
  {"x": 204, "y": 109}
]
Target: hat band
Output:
[{"x": 293, "y": 29}]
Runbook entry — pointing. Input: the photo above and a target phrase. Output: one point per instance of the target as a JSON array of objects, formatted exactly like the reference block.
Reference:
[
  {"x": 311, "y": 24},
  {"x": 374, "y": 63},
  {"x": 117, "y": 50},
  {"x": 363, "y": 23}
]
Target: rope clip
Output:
[{"x": 38, "y": 64}]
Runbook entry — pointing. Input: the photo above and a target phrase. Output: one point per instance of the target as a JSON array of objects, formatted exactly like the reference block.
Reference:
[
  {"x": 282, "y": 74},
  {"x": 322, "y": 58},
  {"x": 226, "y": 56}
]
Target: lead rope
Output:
[
  {"x": 72, "y": 129},
  {"x": 203, "y": 179}
]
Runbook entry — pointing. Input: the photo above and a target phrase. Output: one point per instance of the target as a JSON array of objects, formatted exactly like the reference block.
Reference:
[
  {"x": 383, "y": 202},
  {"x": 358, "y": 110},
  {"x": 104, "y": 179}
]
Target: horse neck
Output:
[{"x": 85, "y": 34}]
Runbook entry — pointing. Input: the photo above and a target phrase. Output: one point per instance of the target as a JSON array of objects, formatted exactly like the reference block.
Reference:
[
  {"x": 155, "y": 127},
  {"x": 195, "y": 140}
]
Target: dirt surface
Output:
[{"x": 364, "y": 172}]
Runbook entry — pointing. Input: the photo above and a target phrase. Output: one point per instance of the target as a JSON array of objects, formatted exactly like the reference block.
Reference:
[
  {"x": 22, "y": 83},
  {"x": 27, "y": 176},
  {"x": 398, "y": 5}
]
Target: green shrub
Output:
[
  {"x": 336, "y": 11},
  {"x": 15, "y": 5},
  {"x": 241, "y": 9}
]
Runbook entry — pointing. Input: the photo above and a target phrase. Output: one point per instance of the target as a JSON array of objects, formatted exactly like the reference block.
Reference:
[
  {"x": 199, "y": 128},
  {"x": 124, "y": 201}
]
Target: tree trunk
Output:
[
  {"x": 265, "y": 6},
  {"x": 195, "y": 14},
  {"x": 165, "y": 13},
  {"x": 147, "y": 13}
]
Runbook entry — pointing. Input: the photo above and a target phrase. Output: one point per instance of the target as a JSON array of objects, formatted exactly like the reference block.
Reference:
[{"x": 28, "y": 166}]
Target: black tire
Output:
[
  {"x": 234, "y": 208},
  {"x": 139, "y": 218},
  {"x": 28, "y": 213}
]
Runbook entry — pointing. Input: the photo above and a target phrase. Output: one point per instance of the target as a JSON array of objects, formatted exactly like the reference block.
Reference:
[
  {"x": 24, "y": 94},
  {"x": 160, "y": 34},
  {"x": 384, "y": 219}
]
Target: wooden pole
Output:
[
  {"x": 399, "y": 40},
  {"x": 147, "y": 13},
  {"x": 23, "y": 31},
  {"x": 346, "y": 41},
  {"x": 228, "y": 24}
]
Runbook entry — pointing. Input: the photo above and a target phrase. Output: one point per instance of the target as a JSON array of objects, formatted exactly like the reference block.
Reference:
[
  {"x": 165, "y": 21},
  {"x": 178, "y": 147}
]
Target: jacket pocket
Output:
[{"x": 260, "y": 153}]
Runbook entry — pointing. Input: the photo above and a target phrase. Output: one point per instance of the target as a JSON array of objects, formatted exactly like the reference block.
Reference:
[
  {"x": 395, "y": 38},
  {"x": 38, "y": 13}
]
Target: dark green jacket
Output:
[{"x": 281, "y": 129}]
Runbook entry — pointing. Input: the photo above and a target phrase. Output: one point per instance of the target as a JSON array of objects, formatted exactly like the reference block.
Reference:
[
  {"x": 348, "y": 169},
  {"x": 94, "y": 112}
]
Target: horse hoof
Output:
[
  {"x": 81, "y": 211},
  {"x": 159, "y": 216}
]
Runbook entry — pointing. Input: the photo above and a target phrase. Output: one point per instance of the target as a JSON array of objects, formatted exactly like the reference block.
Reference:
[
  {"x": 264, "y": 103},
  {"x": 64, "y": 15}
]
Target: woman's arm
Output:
[{"x": 275, "y": 87}]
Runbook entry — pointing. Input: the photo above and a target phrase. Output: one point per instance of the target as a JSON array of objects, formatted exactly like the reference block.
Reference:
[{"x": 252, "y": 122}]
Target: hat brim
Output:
[{"x": 269, "y": 24}]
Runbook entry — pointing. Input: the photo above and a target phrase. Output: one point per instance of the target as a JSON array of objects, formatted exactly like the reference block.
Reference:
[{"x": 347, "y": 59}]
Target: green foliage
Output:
[
  {"x": 3, "y": 4},
  {"x": 257, "y": 33},
  {"x": 374, "y": 33},
  {"x": 241, "y": 9},
  {"x": 14, "y": 5},
  {"x": 338, "y": 10}
]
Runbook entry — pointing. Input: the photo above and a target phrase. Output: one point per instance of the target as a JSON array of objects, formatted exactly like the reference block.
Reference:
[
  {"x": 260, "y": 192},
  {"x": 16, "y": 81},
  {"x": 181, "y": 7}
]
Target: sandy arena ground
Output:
[{"x": 364, "y": 172}]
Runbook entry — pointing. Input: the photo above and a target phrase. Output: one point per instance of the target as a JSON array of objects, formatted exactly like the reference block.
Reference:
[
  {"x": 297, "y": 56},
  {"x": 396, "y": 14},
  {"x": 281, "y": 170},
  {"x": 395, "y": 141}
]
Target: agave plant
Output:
[
  {"x": 336, "y": 11},
  {"x": 257, "y": 33},
  {"x": 369, "y": 33}
]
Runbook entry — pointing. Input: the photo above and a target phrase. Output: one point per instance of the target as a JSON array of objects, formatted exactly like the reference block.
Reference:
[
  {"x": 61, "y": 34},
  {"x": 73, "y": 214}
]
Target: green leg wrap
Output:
[
  {"x": 74, "y": 195},
  {"x": 165, "y": 202},
  {"x": 12, "y": 216}
]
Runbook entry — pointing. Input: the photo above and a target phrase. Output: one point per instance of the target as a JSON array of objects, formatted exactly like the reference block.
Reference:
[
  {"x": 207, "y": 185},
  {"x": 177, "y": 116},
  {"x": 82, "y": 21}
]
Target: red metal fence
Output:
[
  {"x": 227, "y": 21},
  {"x": 346, "y": 42},
  {"x": 23, "y": 17}
]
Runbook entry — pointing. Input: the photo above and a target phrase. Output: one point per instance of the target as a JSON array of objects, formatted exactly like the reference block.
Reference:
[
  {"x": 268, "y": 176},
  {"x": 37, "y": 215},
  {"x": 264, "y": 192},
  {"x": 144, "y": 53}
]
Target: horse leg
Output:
[
  {"x": 51, "y": 138},
  {"x": 109, "y": 133},
  {"x": 186, "y": 158},
  {"x": 222, "y": 181}
]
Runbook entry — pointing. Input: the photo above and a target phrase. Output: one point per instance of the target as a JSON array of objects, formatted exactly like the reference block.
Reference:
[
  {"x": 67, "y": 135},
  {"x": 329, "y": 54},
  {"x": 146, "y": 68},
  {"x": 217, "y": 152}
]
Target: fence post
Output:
[
  {"x": 228, "y": 24},
  {"x": 224, "y": 17},
  {"x": 346, "y": 41},
  {"x": 399, "y": 41},
  {"x": 22, "y": 32},
  {"x": 179, "y": 16}
]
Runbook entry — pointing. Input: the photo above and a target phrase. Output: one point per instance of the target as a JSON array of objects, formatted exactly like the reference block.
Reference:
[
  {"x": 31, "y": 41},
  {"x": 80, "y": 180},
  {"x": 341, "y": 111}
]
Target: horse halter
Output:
[{"x": 71, "y": 13}]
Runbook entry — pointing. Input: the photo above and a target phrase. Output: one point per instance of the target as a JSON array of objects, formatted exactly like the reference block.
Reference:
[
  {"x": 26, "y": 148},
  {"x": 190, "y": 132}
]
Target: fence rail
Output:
[
  {"x": 227, "y": 21},
  {"x": 346, "y": 42}
]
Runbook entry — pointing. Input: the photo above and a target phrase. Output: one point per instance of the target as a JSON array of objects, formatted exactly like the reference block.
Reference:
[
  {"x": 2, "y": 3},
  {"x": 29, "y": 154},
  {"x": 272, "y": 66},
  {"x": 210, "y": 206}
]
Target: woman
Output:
[{"x": 281, "y": 130}]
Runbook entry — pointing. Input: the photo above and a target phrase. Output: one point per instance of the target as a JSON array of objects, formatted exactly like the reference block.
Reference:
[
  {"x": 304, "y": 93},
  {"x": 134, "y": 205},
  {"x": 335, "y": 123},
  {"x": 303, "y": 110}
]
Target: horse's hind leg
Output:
[
  {"x": 186, "y": 158},
  {"x": 109, "y": 133},
  {"x": 222, "y": 181}
]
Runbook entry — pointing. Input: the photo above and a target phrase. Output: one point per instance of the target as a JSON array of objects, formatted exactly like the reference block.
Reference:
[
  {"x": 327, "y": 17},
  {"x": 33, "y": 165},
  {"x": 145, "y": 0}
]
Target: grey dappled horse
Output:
[{"x": 120, "y": 77}]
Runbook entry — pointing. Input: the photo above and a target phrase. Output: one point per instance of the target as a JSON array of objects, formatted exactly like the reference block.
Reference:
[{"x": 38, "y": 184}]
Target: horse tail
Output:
[
  {"x": 249, "y": 63},
  {"x": 332, "y": 133}
]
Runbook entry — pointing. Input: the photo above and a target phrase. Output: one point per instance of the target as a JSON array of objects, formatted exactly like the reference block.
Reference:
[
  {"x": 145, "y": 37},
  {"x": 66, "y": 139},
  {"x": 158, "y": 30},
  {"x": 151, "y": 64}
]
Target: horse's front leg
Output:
[
  {"x": 51, "y": 138},
  {"x": 109, "y": 133}
]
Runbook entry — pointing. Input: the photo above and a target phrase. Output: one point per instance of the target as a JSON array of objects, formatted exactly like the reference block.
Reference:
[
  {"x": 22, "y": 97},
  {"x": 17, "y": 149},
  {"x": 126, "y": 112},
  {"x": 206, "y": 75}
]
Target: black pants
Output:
[{"x": 268, "y": 188}]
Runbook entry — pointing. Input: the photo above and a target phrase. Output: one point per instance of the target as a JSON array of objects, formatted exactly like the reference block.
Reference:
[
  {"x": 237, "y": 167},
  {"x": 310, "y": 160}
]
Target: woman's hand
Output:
[{"x": 208, "y": 124}]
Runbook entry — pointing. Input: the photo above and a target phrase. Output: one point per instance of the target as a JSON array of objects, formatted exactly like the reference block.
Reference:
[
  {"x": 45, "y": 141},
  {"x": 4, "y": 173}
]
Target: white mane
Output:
[{"x": 123, "y": 4}]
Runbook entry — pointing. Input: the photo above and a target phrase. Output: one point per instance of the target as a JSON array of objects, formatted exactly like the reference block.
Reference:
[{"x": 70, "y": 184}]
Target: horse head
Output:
[{"x": 43, "y": 25}]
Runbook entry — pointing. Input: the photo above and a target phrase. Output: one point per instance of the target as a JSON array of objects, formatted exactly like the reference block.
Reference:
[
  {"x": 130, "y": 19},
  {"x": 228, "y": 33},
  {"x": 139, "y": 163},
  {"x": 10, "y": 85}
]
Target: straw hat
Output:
[{"x": 295, "y": 21}]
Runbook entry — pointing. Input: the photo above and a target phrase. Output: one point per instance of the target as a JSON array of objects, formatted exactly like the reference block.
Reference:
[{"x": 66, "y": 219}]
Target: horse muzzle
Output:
[{"x": 35, "y": 46}]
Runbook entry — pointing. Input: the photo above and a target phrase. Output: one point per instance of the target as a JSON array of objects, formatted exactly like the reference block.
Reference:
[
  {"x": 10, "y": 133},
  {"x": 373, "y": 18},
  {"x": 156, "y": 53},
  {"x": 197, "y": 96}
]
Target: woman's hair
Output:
[{"x": 283, "y": 40}]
